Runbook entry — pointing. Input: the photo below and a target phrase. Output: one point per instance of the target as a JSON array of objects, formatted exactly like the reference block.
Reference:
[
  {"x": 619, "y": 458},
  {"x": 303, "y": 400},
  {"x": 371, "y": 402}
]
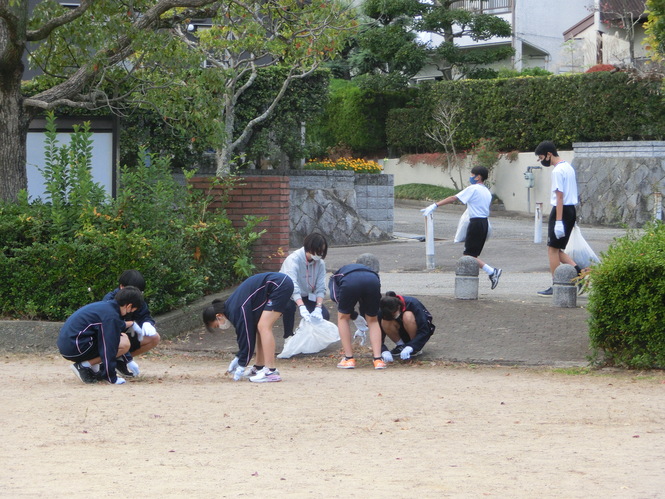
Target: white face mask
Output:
[
  {"x": 223, "y": 325},
  {"x": 397, "y": 315},
  {"x": 316, "y": 258}
]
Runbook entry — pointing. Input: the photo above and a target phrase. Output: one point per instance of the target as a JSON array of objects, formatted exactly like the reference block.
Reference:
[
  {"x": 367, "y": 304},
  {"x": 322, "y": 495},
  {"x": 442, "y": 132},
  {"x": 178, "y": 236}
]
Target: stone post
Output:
[
  {"x": 466, "y": 279},
  {"x": 564, "y": 289}
]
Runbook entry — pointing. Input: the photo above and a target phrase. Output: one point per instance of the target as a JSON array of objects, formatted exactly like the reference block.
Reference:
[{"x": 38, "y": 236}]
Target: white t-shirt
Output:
[
  {"x": 563, "y": 180},
  {"x": 477, "y": 199}
]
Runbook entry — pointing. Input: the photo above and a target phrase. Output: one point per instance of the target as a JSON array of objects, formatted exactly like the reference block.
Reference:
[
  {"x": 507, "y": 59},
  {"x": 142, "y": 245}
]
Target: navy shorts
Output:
[
  {"x": 359, "y": 287},
  {"x": 279, "y": 298},
  {"x": 569, "y": 217}
]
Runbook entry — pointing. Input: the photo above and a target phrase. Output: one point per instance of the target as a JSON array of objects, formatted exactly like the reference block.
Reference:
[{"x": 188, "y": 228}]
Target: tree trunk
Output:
[
  {"x": 14, "y": 123},
  {"x": 223, "y": 154}
]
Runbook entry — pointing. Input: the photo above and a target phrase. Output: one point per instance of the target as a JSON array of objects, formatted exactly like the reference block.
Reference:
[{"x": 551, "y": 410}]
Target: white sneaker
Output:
[
  {"x": 265, "y": 375},
  {"x": 249, "y": 372}
]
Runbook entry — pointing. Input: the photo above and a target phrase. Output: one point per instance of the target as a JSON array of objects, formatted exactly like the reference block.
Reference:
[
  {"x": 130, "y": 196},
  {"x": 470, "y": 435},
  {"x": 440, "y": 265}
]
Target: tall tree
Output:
[
  {"x": 655, "y": 28},
  {"x": 79, "y": 50},
  {"x": 243, "y": 39}
]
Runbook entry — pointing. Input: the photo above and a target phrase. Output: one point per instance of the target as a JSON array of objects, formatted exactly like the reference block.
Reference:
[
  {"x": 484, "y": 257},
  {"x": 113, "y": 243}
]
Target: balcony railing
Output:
[{"x": 484, "y": 6}]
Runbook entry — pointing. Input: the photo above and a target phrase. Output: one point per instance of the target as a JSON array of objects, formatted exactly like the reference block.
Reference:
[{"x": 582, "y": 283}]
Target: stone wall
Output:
[
  {"x": 620, "y": 183},
  {"x": 347, "y": 208}
]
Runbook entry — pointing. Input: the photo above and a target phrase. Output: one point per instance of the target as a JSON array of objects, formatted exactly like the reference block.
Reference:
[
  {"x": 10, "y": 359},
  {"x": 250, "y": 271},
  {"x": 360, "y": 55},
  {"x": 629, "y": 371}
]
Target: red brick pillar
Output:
[{"x": 261, "y": 196}]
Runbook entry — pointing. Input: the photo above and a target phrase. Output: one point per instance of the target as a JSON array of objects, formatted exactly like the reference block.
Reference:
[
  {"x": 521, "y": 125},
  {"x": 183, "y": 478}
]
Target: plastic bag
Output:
[
  {"x": 310, "y": 337},
  {"x": 463, "y": 226},
  {"x": 579, "y": 250}
]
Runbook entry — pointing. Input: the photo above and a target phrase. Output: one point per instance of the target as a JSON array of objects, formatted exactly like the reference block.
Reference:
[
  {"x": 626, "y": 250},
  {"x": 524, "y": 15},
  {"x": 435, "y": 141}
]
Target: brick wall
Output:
[{"x": 264, "y": 196}]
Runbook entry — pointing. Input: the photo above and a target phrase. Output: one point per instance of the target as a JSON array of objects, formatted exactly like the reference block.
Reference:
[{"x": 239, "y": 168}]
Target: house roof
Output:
[{"x": 578, "y": 28}]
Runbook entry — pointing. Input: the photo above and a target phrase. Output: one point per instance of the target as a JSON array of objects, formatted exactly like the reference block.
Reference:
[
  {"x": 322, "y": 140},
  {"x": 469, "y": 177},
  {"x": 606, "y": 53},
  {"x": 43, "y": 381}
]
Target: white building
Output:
[
  {"x": 606, "y": 35},
  {"x": 538, "y": 27}
]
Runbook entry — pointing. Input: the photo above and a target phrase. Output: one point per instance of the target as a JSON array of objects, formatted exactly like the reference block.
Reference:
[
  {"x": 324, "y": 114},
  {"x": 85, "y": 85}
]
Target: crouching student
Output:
[
  {"x": 254, "y": 307},
  {"x": 350, "y": 285},
  {"x": 307, "y": 269},
  {"x": 407, "y": 322},
  {"x": 94, "y": 335},
  {"x": 143, "y": 336}
]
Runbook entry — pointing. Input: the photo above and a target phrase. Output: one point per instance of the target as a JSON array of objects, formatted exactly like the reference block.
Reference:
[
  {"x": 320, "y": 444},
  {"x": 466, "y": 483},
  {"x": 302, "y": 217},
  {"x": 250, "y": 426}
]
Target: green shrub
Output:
[
  {"x": 627, "y": 300},
  {"x": 60, "y": 253},
  {"x": 423, "y": 192},
  {"x": 518, "y": 113}
]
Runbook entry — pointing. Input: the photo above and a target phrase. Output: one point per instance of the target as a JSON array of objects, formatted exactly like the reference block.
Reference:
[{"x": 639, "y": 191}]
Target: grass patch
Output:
[{"x": 423, "y": 192}]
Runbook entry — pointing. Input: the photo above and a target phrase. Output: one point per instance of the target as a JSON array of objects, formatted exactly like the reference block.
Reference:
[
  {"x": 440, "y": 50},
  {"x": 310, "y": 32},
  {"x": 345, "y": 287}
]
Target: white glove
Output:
[
  {"x": 137, "y": 329},
  {"x": 233, "y": 365},
  {"x": 148, "y": 329},
  {"x": 406, "y": 353},
  {"x": 361, "y": 323},
  {"x": 559, "y": 231},
  {"x": 120, "y": 381},
  {"x": 237, "y": 375},
  {"x": 430, "y": 209},
  {"x": 362, "y": 337},
  {"x": 304, "y": 313},
  {"x": 386, "y": 356},
  {"x": 317, "y": 315}
]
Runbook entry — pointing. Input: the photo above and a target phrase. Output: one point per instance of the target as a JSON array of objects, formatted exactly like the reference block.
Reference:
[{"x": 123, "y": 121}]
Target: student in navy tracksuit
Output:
[
  {"x": 356, "y": 283},
  {"x": 407, "y": 322},
  {"x": 145, "y": 337},
  {"x": 94, "y": 335},
  {"x": 255, "y": 306}
]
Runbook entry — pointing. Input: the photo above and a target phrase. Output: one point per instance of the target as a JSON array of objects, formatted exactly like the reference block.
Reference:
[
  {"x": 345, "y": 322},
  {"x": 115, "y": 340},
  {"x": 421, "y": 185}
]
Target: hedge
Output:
[{"x": 518, "y": 113}]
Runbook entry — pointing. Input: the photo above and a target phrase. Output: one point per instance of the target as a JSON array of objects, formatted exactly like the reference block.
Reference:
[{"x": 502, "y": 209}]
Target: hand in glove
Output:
[
  {"x": 317, "y": 315},
  {"x": 430, "y": 209},
  {"x": 148, "y": 329},
  {"x": 361, "y": 335},
  {"x": 304, "y": 313},
  {"x": 233, "y": 365},
  {"x": 137, "y": 329},
  {"x": 237, "y": 375},
  {"x": 120, "y": 381},
  {"x": 559, "y": 231},
  {"x": 406, "y": 353},
  {"x": 387, "y": 356}
]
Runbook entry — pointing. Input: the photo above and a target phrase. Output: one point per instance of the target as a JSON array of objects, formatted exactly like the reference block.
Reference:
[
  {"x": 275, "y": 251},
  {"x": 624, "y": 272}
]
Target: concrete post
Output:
[
  {"x": 564, "y": 289},
  {"x": 466, "y": 279}
]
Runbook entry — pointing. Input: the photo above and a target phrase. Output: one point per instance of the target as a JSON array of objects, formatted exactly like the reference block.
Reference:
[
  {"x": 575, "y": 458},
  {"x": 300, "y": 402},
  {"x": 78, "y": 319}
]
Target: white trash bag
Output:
[
  {"x": 310, "y": 337},
  {"x": 579, "y": 250},
  {"x": 463, "y": 226}
]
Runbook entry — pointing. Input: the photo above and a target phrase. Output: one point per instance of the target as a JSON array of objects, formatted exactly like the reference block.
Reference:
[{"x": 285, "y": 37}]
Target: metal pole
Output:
[
  {"x": 538, "y": 224},
  {"x": 429, "y": 241},
  {"x": 657, "y": 206}
]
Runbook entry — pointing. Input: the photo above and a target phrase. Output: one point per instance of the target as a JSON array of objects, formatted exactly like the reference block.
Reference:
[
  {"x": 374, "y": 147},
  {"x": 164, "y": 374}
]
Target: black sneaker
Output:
[
  {"x": 397, "y": 350},
  {"x": 546, "y": 292},
  {"x": 494, "y": 277},
  {"x": 85, "y": 374}
]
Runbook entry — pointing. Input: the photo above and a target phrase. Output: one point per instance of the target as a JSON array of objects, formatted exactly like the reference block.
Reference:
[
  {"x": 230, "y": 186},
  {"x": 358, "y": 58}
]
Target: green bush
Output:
[
  {"x": 518, "y": 113},
  {"x": 355, "y": 117},
  {"x": 60, "y": 253},
  {"x": 627, "y": 300}
]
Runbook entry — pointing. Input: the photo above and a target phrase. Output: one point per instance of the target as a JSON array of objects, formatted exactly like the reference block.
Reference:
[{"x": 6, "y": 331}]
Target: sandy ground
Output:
[{"x": 417, "y": 429}]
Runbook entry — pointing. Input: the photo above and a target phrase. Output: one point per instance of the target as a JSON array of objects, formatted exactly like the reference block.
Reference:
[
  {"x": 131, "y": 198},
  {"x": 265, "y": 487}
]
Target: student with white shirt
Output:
[
  {"x": 563, "y": 200},
  {"x": 477, "y": 197}
]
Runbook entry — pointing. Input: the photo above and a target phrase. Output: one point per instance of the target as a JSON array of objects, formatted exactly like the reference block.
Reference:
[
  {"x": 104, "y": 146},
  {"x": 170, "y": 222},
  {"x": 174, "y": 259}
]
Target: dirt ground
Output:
[{"x": 427, "y": 429}]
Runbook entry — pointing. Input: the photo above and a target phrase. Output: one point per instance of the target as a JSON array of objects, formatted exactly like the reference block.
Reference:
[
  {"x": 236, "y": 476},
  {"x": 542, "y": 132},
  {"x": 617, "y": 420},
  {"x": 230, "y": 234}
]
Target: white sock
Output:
[
  {"x": 488, "y": 269},
  {"x": 95, "y": 368},
  {"x": 85, "y": 363},
  {"x": 399, "y": 342}
]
